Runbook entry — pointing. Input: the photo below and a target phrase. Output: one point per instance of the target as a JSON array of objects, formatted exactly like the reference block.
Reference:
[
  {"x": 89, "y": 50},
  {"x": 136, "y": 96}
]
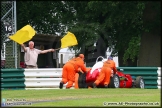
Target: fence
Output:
[
  {"x": 49, "y": 78},
  {"x": 31, "y": 78},
  {"x": 8, "y": 27}
]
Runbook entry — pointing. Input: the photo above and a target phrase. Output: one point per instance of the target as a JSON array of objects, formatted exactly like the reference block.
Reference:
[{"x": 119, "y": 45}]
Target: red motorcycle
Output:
[{"x": 119, "y": 80}]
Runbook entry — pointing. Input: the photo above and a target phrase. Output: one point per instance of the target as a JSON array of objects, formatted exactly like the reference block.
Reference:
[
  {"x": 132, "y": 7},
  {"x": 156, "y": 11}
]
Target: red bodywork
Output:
[{"x": 125, "y": 79}]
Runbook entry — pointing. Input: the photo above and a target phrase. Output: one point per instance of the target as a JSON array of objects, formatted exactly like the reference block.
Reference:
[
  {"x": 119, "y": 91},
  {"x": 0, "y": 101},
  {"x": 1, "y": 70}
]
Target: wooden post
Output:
[
  {"x": 57, "y": 59},
  {"x": 61, "y": 62}
]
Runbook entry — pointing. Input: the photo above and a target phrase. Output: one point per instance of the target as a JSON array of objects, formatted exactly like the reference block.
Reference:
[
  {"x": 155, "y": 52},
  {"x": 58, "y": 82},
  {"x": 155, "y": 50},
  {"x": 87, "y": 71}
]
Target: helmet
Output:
[{"x": 110, "y": 58}]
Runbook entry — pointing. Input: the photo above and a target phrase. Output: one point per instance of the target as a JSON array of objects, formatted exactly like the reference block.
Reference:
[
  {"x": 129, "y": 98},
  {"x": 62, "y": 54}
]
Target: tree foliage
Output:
[
  {"x": 119, "y": 23},
  {"x": 42, "y": 15}
]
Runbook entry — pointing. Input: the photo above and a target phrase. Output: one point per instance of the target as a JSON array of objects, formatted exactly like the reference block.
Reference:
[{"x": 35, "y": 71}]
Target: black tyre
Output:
[
  {"x": 82, "y": 80},
  {"x": 114, "y": 82},
  {"x": 139, "y": 82}
]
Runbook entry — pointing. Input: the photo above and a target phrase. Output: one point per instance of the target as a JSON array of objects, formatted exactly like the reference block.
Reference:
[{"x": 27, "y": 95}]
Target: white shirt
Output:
[{"x": 31, "y": 56}]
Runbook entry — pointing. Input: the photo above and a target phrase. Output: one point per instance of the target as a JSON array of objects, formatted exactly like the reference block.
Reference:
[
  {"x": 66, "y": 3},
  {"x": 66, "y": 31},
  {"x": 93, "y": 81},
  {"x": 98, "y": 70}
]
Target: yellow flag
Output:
[
  {"x": 23, "y": 35},
  {"x": 68, "y": 40}
]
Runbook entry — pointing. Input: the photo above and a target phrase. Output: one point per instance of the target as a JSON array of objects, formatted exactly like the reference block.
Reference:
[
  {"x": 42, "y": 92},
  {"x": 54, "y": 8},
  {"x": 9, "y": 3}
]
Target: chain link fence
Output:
[{"x": 9, "y": 50}]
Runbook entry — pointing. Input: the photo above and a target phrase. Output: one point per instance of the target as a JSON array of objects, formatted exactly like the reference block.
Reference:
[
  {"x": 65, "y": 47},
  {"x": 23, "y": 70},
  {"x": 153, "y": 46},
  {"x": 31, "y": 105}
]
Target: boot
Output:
[{"x": 61, "y": 85}]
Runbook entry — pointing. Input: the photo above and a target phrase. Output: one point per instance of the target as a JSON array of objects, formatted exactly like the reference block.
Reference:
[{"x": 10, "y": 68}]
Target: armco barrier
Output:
[
  {"x": 12, "y": 79},
  {"x": 49, "y": 78},
  {"x": 43, "y": 78}
]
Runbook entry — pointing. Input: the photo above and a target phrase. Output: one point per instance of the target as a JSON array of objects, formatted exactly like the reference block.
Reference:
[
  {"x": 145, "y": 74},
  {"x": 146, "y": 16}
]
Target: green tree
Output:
[
  {"x": 43, "y": 16},
  {"x": 123, "y": 26},
  {"x": 116, "y": 23}
]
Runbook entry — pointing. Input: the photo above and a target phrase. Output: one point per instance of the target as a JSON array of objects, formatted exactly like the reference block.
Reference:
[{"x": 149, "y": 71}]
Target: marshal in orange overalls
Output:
[
  {"x": 70, "y": 69},
  {"x": 105, "y": 74}
]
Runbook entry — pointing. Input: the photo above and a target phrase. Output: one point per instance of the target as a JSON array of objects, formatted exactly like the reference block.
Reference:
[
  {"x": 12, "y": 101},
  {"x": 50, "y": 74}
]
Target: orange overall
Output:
[
  {"x": 104, "y": 75},
  {"x": 70, "y": 69},
  {"x": 68, "y": 73}
]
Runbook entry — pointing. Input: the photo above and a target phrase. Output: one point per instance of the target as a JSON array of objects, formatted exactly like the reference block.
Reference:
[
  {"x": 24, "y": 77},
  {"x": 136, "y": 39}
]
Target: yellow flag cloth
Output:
[
  {"x": 68, "y": 40},
  {"x": 23, "y": 35}
]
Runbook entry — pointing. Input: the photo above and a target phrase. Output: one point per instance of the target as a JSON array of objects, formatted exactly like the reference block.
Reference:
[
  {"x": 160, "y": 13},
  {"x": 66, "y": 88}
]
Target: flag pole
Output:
[
  {"x": 57, "y": 49},
  {"x": 65, "y": 47}
]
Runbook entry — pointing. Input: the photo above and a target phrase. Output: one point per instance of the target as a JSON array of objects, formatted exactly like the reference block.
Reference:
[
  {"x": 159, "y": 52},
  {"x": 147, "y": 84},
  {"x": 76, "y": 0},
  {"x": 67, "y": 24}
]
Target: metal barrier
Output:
[
  {"x": 49, "y": 78},
  {"x": 12, "y": 79},
  {"x": 43, "y": 78}
]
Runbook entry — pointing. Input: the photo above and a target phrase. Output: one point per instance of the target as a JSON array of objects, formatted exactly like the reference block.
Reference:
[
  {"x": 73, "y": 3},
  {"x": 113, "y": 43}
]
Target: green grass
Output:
[{"x": 84, "y": 97}]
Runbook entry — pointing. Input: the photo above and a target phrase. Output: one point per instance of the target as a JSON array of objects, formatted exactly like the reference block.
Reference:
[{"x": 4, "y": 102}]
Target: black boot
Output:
[{"x": 61, "y": 85}]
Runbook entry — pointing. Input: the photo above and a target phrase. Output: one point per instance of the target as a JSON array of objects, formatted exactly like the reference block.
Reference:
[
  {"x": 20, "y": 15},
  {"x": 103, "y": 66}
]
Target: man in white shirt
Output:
[{"x": 31, "y": 54}]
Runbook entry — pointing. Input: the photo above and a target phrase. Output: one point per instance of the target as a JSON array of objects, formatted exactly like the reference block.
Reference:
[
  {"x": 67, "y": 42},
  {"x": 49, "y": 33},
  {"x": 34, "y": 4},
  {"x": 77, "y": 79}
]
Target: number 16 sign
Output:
[{"x": 8, "y": 28}]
